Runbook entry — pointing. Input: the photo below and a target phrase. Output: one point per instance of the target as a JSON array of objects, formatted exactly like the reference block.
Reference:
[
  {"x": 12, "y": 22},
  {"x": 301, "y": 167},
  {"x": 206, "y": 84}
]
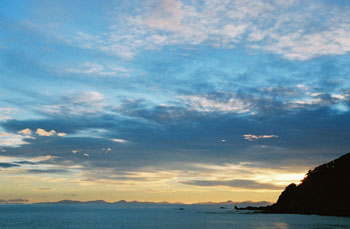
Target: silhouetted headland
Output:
[{"x": 325, "y": 190}]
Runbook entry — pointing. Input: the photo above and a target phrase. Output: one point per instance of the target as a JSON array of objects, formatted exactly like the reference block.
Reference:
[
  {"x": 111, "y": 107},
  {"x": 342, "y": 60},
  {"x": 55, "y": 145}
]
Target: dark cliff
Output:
[{"x": 325, "y": 190}]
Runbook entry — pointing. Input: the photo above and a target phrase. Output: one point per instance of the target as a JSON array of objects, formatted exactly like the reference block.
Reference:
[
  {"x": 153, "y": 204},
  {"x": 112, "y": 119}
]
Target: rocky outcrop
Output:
[{"x": 325, "y": 190}]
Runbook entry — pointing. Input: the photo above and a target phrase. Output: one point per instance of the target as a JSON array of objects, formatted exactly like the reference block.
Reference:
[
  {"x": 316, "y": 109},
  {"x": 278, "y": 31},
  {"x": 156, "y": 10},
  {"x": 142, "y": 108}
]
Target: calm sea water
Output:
[{"x": 156, "y": 216}]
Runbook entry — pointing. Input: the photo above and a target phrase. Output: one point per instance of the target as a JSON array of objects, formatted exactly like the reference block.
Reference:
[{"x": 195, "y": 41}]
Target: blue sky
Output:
[{"x": 173, "y": 97}]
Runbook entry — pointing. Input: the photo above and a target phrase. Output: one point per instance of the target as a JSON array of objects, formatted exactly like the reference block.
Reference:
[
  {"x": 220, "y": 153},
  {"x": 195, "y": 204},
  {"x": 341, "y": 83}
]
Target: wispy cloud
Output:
[
  {"x": 13, "y": 140},
  {"x": 14, "y": 201},
  {"x": 119, "y": 140},
  {"x": 6, "y": 113},
  {"x": 7, "y": 165},
  {"x": 44, "y": 189},
  {"x": 229, "y": 104},
  {"x": 301, "y": 46},
  {"x": 53, "y": 171},
  {"x": 281, "y": 28},
  {"x": 239, "y": 183},
  {"x": 252, "y": 137},
  {"x": 24, "y": 165},
  {"x": 90, "y": 102},
  {"x": 96, "y": 69}
]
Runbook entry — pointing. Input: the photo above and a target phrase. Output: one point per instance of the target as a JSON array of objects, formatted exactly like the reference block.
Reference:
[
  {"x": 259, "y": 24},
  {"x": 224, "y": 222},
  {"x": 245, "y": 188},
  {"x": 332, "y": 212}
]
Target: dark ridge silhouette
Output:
[
  {"x": 325, "y": 190},
  {"x": 76, "y": 202},
  {"x": 237, "y": 203},
  {"x": 224, "y": 204}
]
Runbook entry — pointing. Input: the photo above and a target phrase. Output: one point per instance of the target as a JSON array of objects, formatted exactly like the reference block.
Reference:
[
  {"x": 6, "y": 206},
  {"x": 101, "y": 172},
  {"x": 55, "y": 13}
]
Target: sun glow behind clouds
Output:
[
  {"x": 249, "y": 171},
  {"x": 230, "y": 179}
]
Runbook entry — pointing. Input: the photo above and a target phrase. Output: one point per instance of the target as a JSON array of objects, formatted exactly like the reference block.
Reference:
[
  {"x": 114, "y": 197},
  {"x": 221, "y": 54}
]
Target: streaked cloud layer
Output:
[{"x": 162, "y": 100}]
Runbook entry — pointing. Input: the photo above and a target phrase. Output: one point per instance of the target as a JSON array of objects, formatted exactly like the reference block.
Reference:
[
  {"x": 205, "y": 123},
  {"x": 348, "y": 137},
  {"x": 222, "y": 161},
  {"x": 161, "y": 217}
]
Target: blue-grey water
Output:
[{"x": 153, "y": 216}]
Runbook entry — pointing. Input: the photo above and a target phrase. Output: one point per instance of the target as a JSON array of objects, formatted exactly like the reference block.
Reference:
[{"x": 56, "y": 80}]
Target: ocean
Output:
[{"x": 153, "y": 216}]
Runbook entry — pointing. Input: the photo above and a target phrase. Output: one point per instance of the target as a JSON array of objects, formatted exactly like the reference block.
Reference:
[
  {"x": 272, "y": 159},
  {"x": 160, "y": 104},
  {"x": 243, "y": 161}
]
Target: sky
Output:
[{"x": 170, "y": 100}]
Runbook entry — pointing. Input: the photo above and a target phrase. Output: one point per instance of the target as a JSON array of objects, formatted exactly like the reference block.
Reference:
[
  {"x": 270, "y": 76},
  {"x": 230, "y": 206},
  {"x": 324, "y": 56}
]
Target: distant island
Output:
[
  {"x": 104, "y": 202},
  {"x": 325, "y": 190},
  {"x": 227, "y": 203}
]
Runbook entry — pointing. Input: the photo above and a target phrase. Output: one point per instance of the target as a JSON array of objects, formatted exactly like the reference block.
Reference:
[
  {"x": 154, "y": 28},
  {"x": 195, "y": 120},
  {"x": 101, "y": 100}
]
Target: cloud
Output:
[
  {"x": 69, "y": 194},
  {"x": 167, "y": 15},
  {"x": 106, "y": 150},
  {"x": 29, "y": 164},
  {"x": 237, "y": 183},
  {"x": 6, "y": 112},
  {"x": 39, "y": 171},
  {"x": 176, "y": 132},
  {"x": 44, "y": 189},
  {"x": 84, "y": 103},
  {"x": 25, "y": 162},
  {"x": 75, "y": 151},
  {"x": 7, "y": 165},
  {"x": 286, "y": 29},
  {"x": 14, "y": 201},
  {"x": 42, "y": 132},
  {"x": 304, "y": 47},
  {"x": 252, "y": 137},
  {"x": 25, "y": 131},
  {"x": 96, "y": 69},
  {"x": 119, "y": 140},
  {"x": 13, "y": 140},
  {"x": 230, "y": 104}
]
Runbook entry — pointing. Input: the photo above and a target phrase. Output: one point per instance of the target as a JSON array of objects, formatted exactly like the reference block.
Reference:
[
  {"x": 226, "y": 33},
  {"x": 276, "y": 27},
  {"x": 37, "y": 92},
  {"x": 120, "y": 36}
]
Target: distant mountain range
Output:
[
  {"x": 241, "y": 204},
  {"x": 229, "y": 202},
  {"x": 103, "y": 202},
  {"x": 325, "y": 190}
]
